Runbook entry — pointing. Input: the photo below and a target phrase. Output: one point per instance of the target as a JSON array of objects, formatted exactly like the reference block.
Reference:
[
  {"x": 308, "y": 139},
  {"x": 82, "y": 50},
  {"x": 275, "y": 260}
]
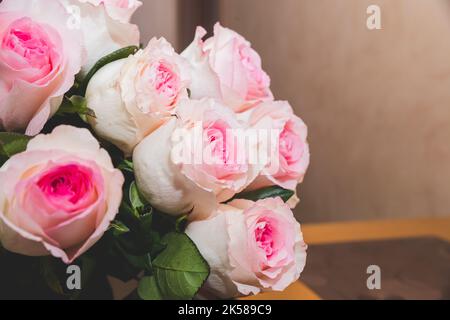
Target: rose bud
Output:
[
  {"x": 250, "y": 248},
  {"x": 59, "y": 196}
]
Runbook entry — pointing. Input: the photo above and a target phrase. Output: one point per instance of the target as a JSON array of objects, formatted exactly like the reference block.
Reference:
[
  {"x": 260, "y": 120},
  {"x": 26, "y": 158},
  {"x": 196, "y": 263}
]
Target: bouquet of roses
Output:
[{"x": 135, "y": 162}]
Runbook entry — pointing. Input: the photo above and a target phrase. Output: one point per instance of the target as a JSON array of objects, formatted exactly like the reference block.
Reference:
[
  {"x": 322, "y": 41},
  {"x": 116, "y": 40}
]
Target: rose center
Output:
[
  {"x": 69, "y": 183},
  {"x": 290, "y": 145},
  {"x": 29, "y": 46},
  {"x": 164, "y": 81},
  {"x": 264, "y": 237},
  {"x": 221, "y": 154}
]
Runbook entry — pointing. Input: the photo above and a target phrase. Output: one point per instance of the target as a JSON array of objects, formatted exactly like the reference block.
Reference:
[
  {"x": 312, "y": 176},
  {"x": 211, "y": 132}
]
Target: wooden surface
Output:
[{"x": 316, "y": 234}]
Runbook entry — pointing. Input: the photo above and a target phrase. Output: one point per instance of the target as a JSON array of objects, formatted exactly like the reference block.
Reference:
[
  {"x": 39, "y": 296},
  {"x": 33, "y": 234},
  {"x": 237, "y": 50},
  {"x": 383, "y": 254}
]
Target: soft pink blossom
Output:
[
  {"x": 194, "y": 162},
  {"x": 256, "y": 247},
  {"x": 237, "y": 69},
  {"x": 288, "y": 153},
  {"x": 132, "y": 97},
  {"x": 39, "y": 58},
  {"x": 59, "y": 196}
]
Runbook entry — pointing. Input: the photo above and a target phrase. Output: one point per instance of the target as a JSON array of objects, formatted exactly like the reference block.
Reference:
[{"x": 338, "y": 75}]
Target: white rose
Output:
[
  {"x": 132, "y": 97},
  {"x": 194, "y": 162},
  {"x": 103, "y": 32},
  {"x": 121, "y": 10}
]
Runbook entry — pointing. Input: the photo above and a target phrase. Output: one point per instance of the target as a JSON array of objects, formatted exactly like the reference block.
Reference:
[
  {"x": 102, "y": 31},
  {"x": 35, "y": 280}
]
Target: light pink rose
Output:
[
  {"x": 39, "y": 58},
  {"x": 237, "y": 66},
  {"x": 59, "y": 196},
  {"x": 288, "y": 151},
  {"x": 250, "y": 248},
  {"x": 121, "y": 10},
  {"x": 105, "y": 26},
  {"x": 132, "y": 97},
  {"x": 193, "y": 162}
]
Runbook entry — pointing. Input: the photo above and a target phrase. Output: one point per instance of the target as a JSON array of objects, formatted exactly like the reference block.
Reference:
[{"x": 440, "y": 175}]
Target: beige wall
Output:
[
  {"x": 158, "y": 18},
  {"x": 377, "y": 102}
]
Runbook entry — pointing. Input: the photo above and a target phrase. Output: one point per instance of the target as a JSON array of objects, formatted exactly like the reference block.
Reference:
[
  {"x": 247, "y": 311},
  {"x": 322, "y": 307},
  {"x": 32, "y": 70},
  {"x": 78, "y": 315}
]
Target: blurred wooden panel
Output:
[
  {"x": 297, "y": 291},
  {"x": 326, "y": 233},
  {"x": 347, "y": 233},
  {"x": 377, "y": 102}
]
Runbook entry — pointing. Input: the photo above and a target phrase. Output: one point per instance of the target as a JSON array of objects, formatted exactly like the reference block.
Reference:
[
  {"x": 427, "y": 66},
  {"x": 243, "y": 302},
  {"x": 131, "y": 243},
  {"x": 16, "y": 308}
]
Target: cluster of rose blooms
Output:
[{"x": 59, "y": 196}]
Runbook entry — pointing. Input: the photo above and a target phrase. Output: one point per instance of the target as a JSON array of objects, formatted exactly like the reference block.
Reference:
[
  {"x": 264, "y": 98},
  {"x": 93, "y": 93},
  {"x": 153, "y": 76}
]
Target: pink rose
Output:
[
  {"x": 193, "y": 162},
  {"x": 250, "y": 247},
  {"x": 237, "y": 66},
  {"x": 59, "y": 196},
  {"x": 132, "y": 97},
  {"x": 288, "y": 154},
  {"x": 39, "y": 58}
]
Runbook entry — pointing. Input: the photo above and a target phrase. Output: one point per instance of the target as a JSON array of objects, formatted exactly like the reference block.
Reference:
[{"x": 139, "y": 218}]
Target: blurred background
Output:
[{"x": 377, "y": 102}]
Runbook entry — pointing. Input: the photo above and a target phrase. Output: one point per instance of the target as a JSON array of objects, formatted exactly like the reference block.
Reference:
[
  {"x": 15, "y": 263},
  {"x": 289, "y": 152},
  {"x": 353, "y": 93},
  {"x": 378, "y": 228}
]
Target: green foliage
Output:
[
  {"x": 75, "y": 105},
  {"x": 116, "y": 55},
  {"x": 12, "y": 143},
  {"x": 148, "y": 289},
  {"x": 180, "y": 270},
  {"x": 270, "y": 192}
]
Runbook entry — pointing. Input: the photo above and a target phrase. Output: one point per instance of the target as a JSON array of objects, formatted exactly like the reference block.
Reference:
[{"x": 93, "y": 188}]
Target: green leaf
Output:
[
  {"x": 116, "y": 55},
  {"x": 128, "y": 211},
  {"x": 88, "y": 265},
  {"x": 143, "y": 262},
  {"x": 126, "y": 166},
  {"x": 181, "y": 223},
  {"x": 180, "y": 270},
  {"x": 12, "y": 143},
  {"x": 49, "y": 272},
  {"x": 118, "y": 228},
  {"x": 148, "y": 289},
  {"x": 136, "y": 200},
  {"x": 270, "y": 192},
  {"x": 146, "y": 221},
  {"x": 75, "y": 105}
]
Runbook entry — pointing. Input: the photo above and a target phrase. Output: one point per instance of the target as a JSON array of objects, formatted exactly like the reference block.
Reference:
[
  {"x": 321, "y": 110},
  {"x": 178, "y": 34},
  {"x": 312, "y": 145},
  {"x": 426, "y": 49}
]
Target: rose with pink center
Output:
[
  {"x": 68, "y": 187},
  {"x": 291, "y": 147},
  {"x": 194, "y": 161},
  {"x": 165, "y": 82},
  {"x": 287, "y": 146},
  {"x": 133, "y": 97},
  {"x": 39, "y": 58},
  {"x": 59, "y": 196},
  {"x": 263, "y": 237},
  {"x": 220, "y": 150},
  {"x": 257, "y": 247},
  {"x": 238, "y": 77},
  {"x": 26, "y": 45}
]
